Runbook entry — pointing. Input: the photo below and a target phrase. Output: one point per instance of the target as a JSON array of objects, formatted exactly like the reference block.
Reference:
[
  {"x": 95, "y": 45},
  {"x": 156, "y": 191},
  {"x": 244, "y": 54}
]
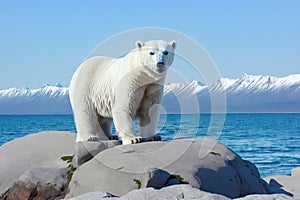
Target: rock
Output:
[
  {"x": 159, "y": 178},
  {"x": 31, "y": 168},
  {"x": 203, "y": 163},
  {"x": 296, "y": 172},
  {"x": 266, "y": 197},
  {"x": 37, "y": 150},
  {"x": 172, "y": 192},
  {"x": 250, "y": 181},
  {"x": 39, "y": 184},
  {"x": 289, "y": 185},
  {"x": 113, "y": 181},
  {"x": 85, "y": 151},
  {"x": 46, "y": 176},
  {"x": 94, "y": 196},
  {"x": 20, "y": 190}
]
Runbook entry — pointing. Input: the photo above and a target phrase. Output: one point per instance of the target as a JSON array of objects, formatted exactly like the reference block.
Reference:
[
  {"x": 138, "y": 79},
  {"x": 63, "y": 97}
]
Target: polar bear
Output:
[{"x": 106, "y": 90}]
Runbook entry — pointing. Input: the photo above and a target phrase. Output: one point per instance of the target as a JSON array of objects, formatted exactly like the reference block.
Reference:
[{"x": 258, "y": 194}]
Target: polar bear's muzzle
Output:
[{"x": 160, "y": 65}]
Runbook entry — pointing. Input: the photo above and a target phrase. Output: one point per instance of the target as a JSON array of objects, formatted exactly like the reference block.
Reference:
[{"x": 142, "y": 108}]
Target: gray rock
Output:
[
  {"x": 113, "y": 181},
  {"x": 45, "y": 176},
  {"x": 296, "y": 172},
  {"x": 172, "y": 182},
  {"x": 266, "y": 197},
  {"x": 37, "y": 150},
  {"x": 289, "y": 185},
  {"x": 250, "y": 179},
  {"x": 203, "y": 163},
  {"x": 158, "y": 178},
  {"x": 39, "y": 183},
  {"x": 31, "y": 168},
  {"x": 173, "y": 192},
  {"x": 94, "y": 196},
  {"x": 85, "y": 151}
]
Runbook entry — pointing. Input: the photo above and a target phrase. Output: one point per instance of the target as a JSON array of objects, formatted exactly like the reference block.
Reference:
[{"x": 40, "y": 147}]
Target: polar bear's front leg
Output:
[
  {"x": 149, "y": 114},
  {"x": 124, "y": 124},
  {"x": 128, "y": 95},
  {"x": 148, "y": 124}
]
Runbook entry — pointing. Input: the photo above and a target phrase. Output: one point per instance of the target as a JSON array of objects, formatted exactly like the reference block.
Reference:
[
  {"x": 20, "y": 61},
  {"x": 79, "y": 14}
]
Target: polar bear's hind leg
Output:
[{"x": 106, "y": 126}]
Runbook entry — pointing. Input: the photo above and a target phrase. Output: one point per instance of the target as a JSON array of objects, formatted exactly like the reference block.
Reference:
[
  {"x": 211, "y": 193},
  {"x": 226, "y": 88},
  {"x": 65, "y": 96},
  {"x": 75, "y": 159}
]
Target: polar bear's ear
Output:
[
  {"x": 139, "y": 44},
  {"x": 173, "y": 44}
]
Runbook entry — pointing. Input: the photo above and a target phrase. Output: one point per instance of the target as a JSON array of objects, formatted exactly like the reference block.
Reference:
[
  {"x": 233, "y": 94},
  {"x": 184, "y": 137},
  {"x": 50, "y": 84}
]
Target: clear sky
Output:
[{"x": 45, "y": 41}]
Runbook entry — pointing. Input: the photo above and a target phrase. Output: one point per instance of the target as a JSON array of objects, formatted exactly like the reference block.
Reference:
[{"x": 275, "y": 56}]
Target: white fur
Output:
[{"x": 105, "y": 89}]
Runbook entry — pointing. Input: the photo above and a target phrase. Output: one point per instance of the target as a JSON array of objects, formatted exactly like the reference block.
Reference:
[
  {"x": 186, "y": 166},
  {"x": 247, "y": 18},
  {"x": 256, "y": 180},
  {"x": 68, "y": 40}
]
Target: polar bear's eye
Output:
[
  {"x": 151, "y": 53},
  {"x": 165, "y": 52}
]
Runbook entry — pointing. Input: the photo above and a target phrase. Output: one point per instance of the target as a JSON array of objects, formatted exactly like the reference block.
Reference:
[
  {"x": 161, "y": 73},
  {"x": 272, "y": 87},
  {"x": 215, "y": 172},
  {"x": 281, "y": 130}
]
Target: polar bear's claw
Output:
[
  {"x": 156, "y": 138},
  {"x": 136, "y": 140},
  {"x": 113, "y": 137},
  {"x": 93, "y": 139}
]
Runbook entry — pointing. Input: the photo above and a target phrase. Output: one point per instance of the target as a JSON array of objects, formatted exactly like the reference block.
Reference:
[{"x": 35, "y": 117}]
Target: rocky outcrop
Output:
[
  {"x": 202, "y": 163},
  {"x": 174, "y": 192},
  {"x": 38, "y": 150},
  {"x": 31, "y": 168}
]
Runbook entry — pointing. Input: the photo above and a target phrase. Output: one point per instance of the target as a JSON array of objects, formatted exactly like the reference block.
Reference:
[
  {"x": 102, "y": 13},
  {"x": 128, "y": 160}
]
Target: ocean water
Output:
[{"x": 271, "y": 141}]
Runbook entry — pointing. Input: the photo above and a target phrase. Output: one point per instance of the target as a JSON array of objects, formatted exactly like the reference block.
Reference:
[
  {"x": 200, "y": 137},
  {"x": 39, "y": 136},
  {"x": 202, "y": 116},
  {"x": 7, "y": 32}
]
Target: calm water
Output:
[{"x": 271, "y": 141}]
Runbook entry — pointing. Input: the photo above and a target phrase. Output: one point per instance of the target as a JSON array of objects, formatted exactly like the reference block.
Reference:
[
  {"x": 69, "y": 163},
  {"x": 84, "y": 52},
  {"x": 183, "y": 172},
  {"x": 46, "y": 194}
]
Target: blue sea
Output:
[{"x": 271, "y": 141}]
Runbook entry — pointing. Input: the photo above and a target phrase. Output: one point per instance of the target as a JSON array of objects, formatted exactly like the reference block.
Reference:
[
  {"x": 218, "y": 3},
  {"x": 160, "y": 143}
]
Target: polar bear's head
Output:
[{"x": 155, "y": 54}]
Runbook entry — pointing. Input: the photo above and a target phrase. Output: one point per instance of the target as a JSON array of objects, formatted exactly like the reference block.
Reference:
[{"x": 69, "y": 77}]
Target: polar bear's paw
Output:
[
  {"x": 132, "y": 140},
  {"x": 152, "y": 138},
  {"x": 93, "y": 139},
  {"x": 155, "y": 138},
  {"x": 136, "y": 140},
  {"x": 113, "y": 137}
]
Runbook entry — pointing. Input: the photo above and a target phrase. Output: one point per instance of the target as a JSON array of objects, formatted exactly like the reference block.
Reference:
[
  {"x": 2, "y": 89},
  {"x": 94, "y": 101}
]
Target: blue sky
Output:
[{"x": 45, "y": 41}]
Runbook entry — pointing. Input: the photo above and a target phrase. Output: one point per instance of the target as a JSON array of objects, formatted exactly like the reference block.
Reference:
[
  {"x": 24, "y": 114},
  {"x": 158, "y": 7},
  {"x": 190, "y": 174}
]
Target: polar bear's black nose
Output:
[{"x": 160, "y": 64}]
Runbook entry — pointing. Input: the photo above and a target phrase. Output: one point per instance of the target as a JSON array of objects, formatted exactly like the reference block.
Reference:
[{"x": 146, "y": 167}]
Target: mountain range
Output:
[{"x": 249, "y": 94}]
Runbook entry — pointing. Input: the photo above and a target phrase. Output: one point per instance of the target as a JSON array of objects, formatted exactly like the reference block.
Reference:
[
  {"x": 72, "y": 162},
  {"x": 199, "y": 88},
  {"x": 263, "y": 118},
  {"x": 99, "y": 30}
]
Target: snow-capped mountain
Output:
[
  {"x": 45, "y": 100},
  {"x": 250, "y": 93}
]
